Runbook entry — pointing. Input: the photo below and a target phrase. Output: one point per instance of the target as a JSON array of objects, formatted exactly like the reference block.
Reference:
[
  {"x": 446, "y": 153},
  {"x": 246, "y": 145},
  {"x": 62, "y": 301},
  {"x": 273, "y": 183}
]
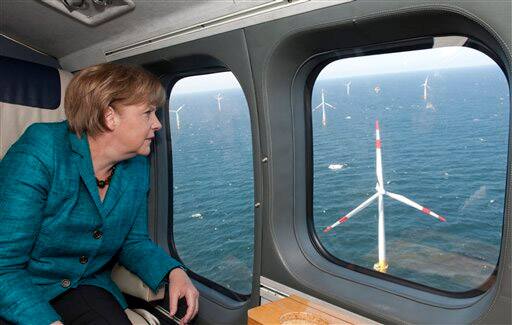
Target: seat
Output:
[
  {"x": 141, "y": 317},
  {"x": 15, "y": 117}
]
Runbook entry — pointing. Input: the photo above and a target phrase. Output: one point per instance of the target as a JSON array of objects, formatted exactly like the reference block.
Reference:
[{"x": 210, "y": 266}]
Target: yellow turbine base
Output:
[{"x": 381, "y": 266}]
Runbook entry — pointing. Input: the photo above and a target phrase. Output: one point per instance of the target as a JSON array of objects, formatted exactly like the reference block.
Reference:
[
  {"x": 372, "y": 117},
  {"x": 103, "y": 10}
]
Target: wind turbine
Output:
[
  {"x": 382, "y": 264},
  {"x": 322, "y": 105},
  {"x": 348, "y": 87},
  {"x": 425, "y": 87},
  {"x": 218, "y": 98},
  {"x": 178, "y": 115}
]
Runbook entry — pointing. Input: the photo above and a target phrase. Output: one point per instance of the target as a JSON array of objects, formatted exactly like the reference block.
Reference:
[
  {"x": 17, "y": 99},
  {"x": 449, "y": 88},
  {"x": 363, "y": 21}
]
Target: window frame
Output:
[
  {"x": 318, "y": 63},
  {"x": 169, "y": 84}
]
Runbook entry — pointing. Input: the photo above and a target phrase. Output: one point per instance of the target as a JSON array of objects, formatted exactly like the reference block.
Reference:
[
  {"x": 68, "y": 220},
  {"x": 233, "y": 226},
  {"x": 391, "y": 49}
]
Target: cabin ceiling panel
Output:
[
  {"x": 240, "y": 18},
  {"x": 56, "y": 34}
]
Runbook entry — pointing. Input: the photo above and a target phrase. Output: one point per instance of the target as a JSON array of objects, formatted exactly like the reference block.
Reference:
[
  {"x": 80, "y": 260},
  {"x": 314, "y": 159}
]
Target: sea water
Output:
[{"x": 447, "y": 152}]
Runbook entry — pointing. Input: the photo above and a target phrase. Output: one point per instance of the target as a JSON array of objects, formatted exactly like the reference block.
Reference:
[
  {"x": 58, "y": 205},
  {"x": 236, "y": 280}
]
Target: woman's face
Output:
[{"x": 135, "y": 128}]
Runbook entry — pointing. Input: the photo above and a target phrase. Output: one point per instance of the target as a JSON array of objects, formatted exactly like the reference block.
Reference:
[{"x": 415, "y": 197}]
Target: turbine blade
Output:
[
  {"x": 415, "y": 205},
  {"x": 353, "y": 212},
  {"x": 317, "y": 107},
  {"x": 378, "y": 155},
  {"x": 329, "y": 105}
]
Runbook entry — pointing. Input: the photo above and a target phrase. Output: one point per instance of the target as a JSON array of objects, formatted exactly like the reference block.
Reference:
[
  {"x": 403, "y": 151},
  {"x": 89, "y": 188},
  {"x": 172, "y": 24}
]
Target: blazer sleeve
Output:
[
  {"x": 24, "y": 182},
  {"x": 142, "y": 256}
]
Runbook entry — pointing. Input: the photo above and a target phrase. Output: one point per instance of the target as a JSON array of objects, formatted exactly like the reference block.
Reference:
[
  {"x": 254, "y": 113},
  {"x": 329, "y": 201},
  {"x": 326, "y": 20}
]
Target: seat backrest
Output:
[{"x": 29, "y": 93}]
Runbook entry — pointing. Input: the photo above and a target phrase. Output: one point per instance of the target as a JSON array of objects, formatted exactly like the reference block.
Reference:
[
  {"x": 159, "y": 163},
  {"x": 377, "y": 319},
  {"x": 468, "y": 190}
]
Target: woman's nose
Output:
[{"x": 156, "y": 123}]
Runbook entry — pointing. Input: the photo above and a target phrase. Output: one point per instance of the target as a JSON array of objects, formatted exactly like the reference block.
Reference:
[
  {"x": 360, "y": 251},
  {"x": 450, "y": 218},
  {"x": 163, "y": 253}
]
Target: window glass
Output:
[
  {"x": 443, "y": 119},
  {"x": 213, "y": 178}
]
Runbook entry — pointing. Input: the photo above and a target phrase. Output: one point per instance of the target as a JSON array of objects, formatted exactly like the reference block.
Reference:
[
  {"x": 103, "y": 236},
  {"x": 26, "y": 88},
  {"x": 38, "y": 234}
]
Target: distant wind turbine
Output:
[
  {"x": 322, "y": 105},
  {"x": 178, "y": 115},
  {"x": 382, "y": 264},
  {"x": 348, "y": 87},
  {"x": 218, "y": 98},
  {"x": 425, "y": 87}
]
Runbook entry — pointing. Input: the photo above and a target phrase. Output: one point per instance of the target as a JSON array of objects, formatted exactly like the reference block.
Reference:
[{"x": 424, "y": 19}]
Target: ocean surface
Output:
[
  {"x": 214, "y": 186},
  {"x": 448, "y": 153}
]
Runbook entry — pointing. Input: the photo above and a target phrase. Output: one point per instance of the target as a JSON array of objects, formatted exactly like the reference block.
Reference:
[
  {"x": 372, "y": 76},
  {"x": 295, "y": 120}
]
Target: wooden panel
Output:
[{"x": 295, "y": 310}]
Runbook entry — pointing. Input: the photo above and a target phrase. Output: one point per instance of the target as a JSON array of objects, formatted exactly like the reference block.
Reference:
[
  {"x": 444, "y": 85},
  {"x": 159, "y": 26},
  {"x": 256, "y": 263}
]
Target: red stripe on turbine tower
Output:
[
  {"x": 327, "y": 229},
  {"x": 425, "y": 210},
  {"x": 343, "y": 219},
  {"x": 378, "y": 144},
  {"x": 377, "y": 124}
]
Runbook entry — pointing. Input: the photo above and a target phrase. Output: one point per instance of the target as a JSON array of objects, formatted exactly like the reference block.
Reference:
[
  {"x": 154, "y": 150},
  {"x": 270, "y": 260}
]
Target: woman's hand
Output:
[
  {"x": 57, "y": 323},
  {"x": 180, "y": 286}
]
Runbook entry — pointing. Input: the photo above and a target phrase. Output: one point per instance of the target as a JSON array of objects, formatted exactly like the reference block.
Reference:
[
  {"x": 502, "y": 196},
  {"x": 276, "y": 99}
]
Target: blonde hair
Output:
[{"x": 94, "y": 89}]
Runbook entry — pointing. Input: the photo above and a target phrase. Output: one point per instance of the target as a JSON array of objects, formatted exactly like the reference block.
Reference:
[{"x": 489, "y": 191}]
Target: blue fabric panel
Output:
[{"x": 29, "y": 84}]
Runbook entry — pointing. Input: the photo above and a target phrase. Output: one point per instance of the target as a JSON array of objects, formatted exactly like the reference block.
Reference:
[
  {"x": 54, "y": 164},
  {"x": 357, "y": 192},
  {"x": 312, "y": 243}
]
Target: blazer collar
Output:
[
  {"x": 116, "y": 187},
  {"x": 79, "y": 145}
]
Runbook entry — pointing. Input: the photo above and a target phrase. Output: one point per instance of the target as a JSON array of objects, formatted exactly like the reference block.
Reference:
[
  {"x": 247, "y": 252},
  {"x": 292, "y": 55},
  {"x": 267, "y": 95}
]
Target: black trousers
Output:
[{"x": 86, "y": 305}]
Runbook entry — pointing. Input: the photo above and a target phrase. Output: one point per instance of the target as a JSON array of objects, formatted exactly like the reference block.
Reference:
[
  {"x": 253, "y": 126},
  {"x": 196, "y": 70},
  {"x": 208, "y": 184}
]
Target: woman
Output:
[{"x": 73, "y": 202}]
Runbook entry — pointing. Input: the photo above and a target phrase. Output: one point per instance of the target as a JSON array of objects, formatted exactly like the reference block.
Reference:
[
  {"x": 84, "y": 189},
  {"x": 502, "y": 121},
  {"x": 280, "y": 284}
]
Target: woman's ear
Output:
[{"x": 111, "y": 118}]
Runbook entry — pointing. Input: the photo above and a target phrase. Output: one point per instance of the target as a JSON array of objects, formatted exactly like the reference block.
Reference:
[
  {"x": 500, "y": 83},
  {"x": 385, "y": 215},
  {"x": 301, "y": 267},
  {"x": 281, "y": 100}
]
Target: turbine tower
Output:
[
  {"x": 382, "y": 264},
  {"x": 177, "y": 112},
  {"x": 425, "y": 87},
  {"x": 218, "y": 98},
  {"x": 348, "y": 87},
  {"x": 323, "y": 105}
]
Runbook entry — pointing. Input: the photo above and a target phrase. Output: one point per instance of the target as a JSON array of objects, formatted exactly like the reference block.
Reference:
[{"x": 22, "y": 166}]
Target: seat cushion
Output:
[{"x": 131, "y": 284}]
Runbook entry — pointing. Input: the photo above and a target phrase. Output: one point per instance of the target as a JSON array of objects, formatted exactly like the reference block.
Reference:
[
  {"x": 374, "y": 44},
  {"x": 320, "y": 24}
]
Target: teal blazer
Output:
[{"x": 56, "y": 233}]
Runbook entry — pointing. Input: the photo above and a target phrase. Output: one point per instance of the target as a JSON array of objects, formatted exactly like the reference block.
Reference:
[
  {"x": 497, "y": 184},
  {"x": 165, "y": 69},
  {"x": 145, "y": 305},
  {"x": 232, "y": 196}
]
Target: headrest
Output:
[
  {"x": 29, "y": 84},
  {"x": 29, "y": 93}
]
